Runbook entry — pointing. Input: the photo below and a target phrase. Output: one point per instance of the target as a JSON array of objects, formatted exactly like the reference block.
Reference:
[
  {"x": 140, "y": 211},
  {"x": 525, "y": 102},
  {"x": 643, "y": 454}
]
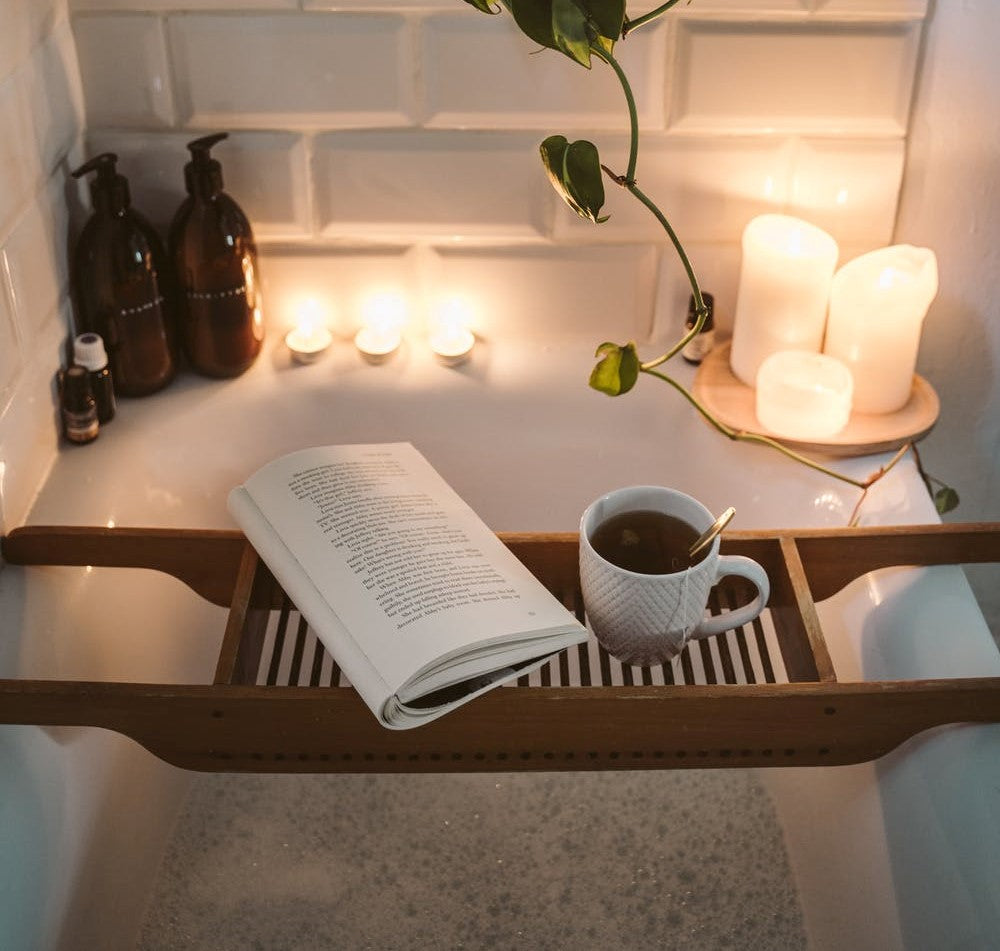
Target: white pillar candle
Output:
[
  {"x": 783, "y": 291},
  {"x": 803, "y": 395},
  {"x": 877, "y": 307}
]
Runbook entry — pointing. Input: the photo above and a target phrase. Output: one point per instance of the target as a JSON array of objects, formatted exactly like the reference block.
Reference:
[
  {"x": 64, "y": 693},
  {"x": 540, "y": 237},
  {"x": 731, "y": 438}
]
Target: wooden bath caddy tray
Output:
[{"x": 765, "y": 695}]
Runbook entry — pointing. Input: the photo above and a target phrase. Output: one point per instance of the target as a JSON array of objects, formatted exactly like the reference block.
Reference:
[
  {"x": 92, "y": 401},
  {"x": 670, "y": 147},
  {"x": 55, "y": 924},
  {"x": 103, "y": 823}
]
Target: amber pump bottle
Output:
[
  {"x": 215, "y": 263},
  {"x": 121, "y": 285}
]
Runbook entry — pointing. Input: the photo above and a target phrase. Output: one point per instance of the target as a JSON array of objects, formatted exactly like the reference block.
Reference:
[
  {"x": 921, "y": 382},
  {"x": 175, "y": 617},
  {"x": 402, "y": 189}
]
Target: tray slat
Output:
[{"x": 292, "y": 652}]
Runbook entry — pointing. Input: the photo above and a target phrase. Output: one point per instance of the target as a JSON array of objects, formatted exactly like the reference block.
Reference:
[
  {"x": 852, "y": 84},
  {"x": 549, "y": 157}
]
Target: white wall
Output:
[
  {"x": 41, "y": 123},
  {"x": 951, "y": 202},
  {"x": 409, "y": 128}
]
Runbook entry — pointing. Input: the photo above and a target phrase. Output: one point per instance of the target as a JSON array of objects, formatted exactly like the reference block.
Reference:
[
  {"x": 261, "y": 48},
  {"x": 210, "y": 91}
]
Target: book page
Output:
[
  {"x": 307, "y": 598},
  {"x": 400, "y": 544},
  {"x": 404, "y": 562}
]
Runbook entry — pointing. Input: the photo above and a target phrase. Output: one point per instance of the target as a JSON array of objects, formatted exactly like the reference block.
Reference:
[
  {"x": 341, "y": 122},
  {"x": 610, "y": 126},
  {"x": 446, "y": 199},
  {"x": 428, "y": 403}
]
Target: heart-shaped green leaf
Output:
[
  {"x": 570, "y": 26},
  {"x": 574, "y": 168},
  {"x": 945, "y": 499},
  {"x": 570, "y": 31},
  {"x": 608, "y": 16},
  {"x": 617, "y": 370}
]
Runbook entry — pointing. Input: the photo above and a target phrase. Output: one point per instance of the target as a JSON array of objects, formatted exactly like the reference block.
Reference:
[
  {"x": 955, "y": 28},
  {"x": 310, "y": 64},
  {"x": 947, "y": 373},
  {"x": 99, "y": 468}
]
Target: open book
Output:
[{"x": 420, "y": 604}]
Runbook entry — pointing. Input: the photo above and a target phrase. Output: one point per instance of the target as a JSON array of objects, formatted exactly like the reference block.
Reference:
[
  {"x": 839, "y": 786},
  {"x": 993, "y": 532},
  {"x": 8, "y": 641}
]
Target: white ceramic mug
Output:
[{"x": 645, "y": 619}]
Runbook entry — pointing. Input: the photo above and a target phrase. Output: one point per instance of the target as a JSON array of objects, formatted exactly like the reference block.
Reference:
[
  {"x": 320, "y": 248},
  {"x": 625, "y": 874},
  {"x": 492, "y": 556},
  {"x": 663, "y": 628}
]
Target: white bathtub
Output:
[{"x": 902, "y": 853}]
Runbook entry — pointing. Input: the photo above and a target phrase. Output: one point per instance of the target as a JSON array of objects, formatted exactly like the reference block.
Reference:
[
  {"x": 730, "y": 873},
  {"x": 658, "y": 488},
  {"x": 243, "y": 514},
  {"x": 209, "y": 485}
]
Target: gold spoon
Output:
[{"x": 706, "y": 537}]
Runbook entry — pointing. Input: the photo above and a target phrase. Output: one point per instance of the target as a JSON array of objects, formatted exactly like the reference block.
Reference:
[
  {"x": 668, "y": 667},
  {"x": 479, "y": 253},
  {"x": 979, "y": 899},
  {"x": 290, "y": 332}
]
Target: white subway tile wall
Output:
[
  {"x": 481, "y": 72},
  {"x": 430, "y": 184},
  {"x": 848, "y": 186},
  {"x": 36, "y": 262},
  {"x": 18, "y": 165},
  {"x": 415, "y": 124},
  {"x": 123, "y": 65},
  {"x": 55, "y": 99},
  {"x": 298, "y": 70},
  {"x": 341, "y": 282},
  {"x": 168, "y": 5},
  {"x": 41, "y": 130},
  {"x": 709, "y": 186},
  {"x": 395, "y": 142},
  {"x": 10, "y": 346},
  {"x": 816, "y": 76},
  {"x": 521, "y": 290}
]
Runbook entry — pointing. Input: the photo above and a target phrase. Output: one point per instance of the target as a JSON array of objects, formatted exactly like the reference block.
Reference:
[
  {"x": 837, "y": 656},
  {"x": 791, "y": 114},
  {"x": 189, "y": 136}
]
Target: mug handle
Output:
[{"x": 743, "y": 568}]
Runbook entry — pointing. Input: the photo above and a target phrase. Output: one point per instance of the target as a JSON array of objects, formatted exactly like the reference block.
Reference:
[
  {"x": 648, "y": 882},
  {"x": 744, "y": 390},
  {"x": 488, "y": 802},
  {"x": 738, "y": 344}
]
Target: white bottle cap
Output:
[{"x": 89, "y": 352}]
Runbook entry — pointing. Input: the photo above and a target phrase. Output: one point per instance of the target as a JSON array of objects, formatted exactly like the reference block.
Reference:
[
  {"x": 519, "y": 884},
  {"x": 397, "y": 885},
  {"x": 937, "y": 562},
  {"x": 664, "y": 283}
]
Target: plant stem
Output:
[
  {"x": 628, "y": 182},
  {"x": 633, "y": 117},
  {"x": 630, "y": 25},
  {"x": 927, "y": 478},
  {"x": 701, "y": 310},
  {"x": 743, "y": 435}
]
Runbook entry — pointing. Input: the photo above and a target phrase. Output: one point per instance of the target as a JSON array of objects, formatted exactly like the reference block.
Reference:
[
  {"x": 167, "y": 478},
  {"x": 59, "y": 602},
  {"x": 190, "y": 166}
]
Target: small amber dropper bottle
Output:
[{"x": 79, "y": 409}]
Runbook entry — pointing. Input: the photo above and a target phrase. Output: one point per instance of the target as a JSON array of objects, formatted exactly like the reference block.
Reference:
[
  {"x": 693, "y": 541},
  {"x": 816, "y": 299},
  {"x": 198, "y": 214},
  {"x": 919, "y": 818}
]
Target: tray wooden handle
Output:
[{"x": 205, "y": 560}]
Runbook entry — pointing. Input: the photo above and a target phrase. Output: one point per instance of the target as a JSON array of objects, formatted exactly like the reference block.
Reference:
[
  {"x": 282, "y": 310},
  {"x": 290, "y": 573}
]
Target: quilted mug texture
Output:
[{"x": 644, "y": 619}]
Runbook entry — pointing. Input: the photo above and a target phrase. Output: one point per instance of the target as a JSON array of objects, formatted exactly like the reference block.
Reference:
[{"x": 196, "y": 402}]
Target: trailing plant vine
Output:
[{"x": 584, "y": 30}]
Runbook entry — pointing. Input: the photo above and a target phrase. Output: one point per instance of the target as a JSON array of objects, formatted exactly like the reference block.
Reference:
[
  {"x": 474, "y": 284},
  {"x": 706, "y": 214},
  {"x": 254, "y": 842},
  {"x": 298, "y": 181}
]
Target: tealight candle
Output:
[
  {"x": 381, "y": 335},
  {"x": 309, "y": 337},
  {"x": 803, "y": 395},
  {"x": 877, "y": 307},
  {"x": 377, "y": 344},
  {"x": 451, "y": 340},
  {"x": 783, "y": 291}
]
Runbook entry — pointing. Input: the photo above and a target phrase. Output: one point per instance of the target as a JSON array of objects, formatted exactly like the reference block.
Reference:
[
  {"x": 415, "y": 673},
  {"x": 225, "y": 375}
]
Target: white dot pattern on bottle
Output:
[
  {"x": 217, "y": 295},
  {"x": 142, "y": 308}
]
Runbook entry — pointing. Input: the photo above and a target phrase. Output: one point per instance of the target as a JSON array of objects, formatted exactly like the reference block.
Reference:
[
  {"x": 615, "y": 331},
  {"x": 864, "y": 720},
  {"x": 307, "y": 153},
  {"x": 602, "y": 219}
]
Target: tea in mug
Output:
[{"x": 647, "y": 542}]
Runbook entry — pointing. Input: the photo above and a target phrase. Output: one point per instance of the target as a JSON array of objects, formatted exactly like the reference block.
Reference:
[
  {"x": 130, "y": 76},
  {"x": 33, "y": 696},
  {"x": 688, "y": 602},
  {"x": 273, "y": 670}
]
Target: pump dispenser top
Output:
[
  {"x": 204, "y": 173},
  {"x": 215, "y": 259},
  {"x": 121, "y": 284},
  {"x": 108, "y": 189}
]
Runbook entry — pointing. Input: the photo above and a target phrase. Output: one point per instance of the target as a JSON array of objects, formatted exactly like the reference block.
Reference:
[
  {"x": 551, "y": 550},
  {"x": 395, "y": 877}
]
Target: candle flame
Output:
[
  {"x": 452, "y": 318},
  {"x": 386, "y": 310},
  {"x": 309, "y": 317}
]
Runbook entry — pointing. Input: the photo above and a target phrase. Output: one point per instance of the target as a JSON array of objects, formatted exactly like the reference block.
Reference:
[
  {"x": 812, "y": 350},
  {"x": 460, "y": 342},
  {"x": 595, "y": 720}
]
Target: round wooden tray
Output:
[{"x": 733, "y": 403}]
